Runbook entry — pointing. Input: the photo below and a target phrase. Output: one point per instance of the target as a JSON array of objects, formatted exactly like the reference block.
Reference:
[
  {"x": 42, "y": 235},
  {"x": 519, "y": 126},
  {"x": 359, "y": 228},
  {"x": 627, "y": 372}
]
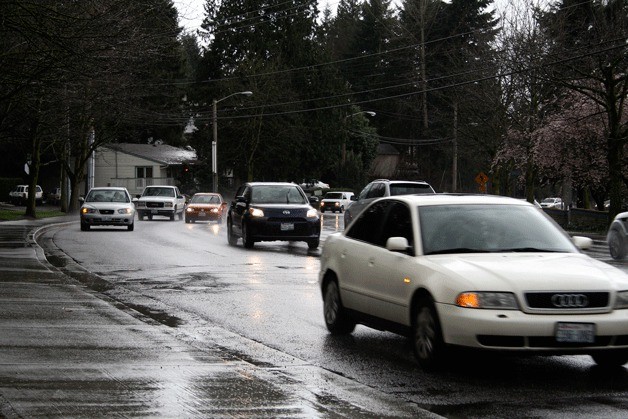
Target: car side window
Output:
[
  {"x": 364, "y": 192},
  {"x": 367, "y": 227},
  {"x": 398, "y": 223},
  {"x": 377, "y": 190}
]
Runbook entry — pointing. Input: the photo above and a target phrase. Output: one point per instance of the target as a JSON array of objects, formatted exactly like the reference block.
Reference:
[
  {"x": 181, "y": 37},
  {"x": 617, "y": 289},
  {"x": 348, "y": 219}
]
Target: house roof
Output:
[
  {"x": 386, "y": 149},
  {"x": 160, "y": 153}
]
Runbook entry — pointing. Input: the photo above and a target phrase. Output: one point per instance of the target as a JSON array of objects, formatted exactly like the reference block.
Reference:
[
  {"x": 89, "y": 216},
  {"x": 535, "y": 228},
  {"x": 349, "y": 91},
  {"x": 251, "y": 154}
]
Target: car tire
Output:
[
  {"x": 313, "y": 244},
  {"x": 341, "y": 210},
  {"x": 150, "y": 217},
  {"x": 247, "y": 240},
  {"x": 337, "y": 320},
  {"x": 131, "y": 226},
  {"x": 231, "y": 238},
  {"x": 181, "y": 216},
  {"x": 611, "y": 359},
  {"x": 616, "y": 245},
  {"x": 84, "y": 227},
  {"x": 427, "y": 337},
  {"x": 172, "y": 216},
  {"x": 187, "y": 220}
]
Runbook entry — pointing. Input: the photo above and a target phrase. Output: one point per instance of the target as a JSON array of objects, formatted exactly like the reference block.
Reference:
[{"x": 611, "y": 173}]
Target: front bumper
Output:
[
  {"x": 107, "y": 220},
  {"x": 513, "y": 330},
  {"x": 265, "y": 229}
]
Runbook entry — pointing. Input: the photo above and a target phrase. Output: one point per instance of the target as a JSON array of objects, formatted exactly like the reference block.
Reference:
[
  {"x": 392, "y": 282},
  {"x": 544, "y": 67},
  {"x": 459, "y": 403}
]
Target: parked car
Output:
[
  {"x": 54, "y": 197},
  {"x": 161, "y": 200},
  {"x": 383, "y": 187},
  {"x": 314, "y": 184},
  {"x": 269, "y": 211},
  {"x": 205, "y": 207},
  {"x": 19, "y": 195},
  {"x": 479, "y": 271},
  {"x": 617, "y": 236},
  {"x": 335, "y": 201},
  {"x": 552, "y": 203},
  {"x": 107, "y": 206}
]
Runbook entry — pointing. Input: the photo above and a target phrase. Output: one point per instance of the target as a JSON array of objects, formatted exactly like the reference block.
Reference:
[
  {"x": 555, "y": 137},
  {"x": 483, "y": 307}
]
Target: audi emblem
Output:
[
  {"x": 570, "y": 300},
  {"x": 286, "y": 212}
]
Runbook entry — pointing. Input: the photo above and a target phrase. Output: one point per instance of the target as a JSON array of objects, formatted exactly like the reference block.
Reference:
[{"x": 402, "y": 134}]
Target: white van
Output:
[{"x": 336, "y": 201}]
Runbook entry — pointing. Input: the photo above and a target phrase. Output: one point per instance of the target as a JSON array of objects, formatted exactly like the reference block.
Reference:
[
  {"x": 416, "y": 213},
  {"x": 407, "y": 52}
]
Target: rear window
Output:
[{"x": 410, "y": 188}]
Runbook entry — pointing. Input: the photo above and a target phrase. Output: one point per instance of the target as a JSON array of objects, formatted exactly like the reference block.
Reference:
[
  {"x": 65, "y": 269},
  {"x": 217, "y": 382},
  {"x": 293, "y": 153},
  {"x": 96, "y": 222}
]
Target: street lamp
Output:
[
  {"x": 215, "y": 136},
  {"x": 344, "y": 143}
]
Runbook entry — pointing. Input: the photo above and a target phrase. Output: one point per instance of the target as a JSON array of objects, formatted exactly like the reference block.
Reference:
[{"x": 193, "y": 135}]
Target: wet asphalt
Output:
[{"x": 67, "y": 350}]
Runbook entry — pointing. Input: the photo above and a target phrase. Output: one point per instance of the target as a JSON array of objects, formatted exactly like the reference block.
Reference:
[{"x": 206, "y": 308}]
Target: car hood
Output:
[
  {"x": 278, "y": 210},
  {"x": 204, "y": 206},
  {"x": 109, "y": 205},
  {"x": 156, "y": 198},
  {"x": 529, "y": 271}
]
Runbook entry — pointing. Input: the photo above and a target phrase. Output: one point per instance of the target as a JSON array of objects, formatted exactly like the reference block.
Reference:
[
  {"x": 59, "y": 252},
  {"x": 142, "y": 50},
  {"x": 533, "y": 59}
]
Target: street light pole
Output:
[
  {"x": 215, "y": 136},
  {"x": 344, "y": 142}
]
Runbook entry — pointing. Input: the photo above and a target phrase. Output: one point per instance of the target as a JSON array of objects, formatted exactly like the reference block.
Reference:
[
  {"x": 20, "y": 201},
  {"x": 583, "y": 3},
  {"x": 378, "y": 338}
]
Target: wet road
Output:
[{"x": 186, "y": 276}]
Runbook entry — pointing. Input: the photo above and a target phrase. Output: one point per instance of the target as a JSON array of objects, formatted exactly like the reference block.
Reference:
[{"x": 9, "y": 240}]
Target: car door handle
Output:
[{"x": 371, "y": 262}]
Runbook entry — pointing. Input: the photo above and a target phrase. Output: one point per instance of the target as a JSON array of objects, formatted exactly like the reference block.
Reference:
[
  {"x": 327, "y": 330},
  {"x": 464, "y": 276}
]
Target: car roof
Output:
[
  {"x": 453, "y": 199},
  {"x": 422, "y": 182},
  {"x": 271, "y": 184},
  {"x": 206, "y": 193},
  {"x": 108, "y": 188}
]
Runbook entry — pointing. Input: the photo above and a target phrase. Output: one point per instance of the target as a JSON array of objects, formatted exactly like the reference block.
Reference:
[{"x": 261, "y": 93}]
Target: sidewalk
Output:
[{"x": 69, "y": 351}]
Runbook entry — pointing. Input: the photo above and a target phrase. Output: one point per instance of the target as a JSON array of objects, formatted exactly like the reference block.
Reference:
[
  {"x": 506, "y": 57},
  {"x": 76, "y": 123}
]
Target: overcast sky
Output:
[{"x": 191, "y": 11}]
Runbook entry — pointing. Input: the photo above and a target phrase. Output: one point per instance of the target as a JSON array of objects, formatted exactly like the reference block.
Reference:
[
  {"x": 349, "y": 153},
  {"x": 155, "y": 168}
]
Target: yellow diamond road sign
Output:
[{"x": 481, "y": 178}]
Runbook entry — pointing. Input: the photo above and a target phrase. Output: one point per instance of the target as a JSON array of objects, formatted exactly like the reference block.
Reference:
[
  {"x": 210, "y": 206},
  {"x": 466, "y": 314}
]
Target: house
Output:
[
  {"x": 135, "y": 166},
  {"x": 386, "y": 162}
]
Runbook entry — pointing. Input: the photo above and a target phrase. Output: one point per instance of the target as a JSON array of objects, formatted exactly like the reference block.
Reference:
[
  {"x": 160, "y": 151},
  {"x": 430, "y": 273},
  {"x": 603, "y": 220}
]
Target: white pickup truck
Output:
[{"x": 161, "y": 200}]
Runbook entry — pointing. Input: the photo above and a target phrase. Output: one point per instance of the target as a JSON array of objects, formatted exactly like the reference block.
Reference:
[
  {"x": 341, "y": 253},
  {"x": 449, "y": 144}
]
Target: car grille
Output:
[
  {"x": 154, "y": 204},
  {"x": 559, "y": 300},
  {"x": 106, "y": 211}
]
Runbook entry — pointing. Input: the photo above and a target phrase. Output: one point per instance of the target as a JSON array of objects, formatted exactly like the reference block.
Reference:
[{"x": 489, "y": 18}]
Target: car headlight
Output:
[
  {"x": 214, "y": 210},
  {"x": 168, "y": 205},
  {"x": 89, "y": 210},
  {"x": 622, "y": 300},
  {"x": 256, "y": 212},
  {"x": 312, "y": 213},
  {"x": 487, "y": 300},
  {"x": 125, "y": 211},
  {"x": 189, "y": 210}
]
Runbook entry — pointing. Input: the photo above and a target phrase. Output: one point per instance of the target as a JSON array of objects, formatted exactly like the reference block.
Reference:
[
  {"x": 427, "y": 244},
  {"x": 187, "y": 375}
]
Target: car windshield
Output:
[
  {"x": 489, "y": 228},
  {"x": 277, "y": 194},
  {"x": 409, "y": 188},
  {"x": 549, "y": 200},
  {"x": 159, "y": 192},
  {"x": 333, "y": 195},
  {"x": 107, "y": 195},
  {"x": 205, "y": 199}
]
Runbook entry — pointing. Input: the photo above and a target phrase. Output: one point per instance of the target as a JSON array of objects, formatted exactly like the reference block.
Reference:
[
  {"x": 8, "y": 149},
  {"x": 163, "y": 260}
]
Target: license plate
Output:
[
  {"x": 287, "y": 226},
  {"x": 201, "y": 214},
  {"x": 107, "y": 218},
  {"x": 153, "y": 211},
  {"x": 575, "y": 332}
]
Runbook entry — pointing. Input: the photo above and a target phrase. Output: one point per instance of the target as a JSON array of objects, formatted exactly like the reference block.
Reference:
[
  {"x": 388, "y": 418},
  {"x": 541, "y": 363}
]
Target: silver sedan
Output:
[{"x": 107, "y": 206}]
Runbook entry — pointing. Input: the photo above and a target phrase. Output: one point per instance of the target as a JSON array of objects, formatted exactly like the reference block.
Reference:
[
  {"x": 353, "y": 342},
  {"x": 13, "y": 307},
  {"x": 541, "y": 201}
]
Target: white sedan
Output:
[
  {"x": 477, "y": 272},
  {"x": 107, "y": 206}
]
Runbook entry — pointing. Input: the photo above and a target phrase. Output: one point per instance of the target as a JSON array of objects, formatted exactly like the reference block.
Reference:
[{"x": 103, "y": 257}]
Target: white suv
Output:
[
  {"x": 336, "y": 201},
  {"x": 19, "y": 195},
  {"x": 383, "y": 187},
  {"x": 162, "y": 200}
]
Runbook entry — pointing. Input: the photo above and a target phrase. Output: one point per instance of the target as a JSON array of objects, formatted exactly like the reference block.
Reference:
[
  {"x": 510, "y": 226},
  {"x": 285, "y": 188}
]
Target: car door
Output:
[
  {"x": 390, "y": 274},
  {"x": 238, "y": 207},
  {"x": 361, "y": 243}
]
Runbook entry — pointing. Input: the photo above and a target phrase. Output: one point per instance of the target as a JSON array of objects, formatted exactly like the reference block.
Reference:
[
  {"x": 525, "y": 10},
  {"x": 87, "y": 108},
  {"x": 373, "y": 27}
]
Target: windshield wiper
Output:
[
  {"x": 528, "y": 250},
  {"x": 457, "y": 250}
]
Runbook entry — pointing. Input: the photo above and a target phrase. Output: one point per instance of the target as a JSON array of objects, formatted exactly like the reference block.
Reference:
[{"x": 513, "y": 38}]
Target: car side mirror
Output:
[
  {"x": 354, "y": 198},
  {"x": 398, "y": 244},
  {"x": 313, "y": 199},
  {"x": 582, "y": 243},
  {"x": 81, "y": 199},
  {"x": 240, "y": 199}
]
